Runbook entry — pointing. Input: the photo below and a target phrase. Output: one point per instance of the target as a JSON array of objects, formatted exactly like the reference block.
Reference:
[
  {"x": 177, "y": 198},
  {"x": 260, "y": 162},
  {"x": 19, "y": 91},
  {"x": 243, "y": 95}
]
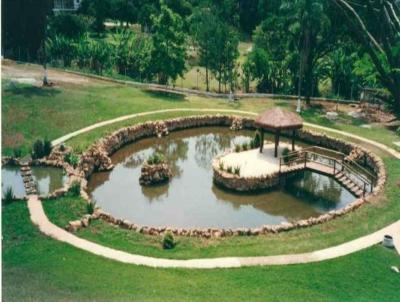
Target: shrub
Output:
[
  {"x": 245, "y": 146},
  {"x": 238, "y": 148},
  {"x": 8, "y": 196},
  {"x": 252, "y": 144},
  {"x": 62, "y": 147},
  {"x": 69, "y": 25},
  {"x": 221, "y": 165},
  {"x": 47, "y": 147},
  {"x": 41, "y": 148},
  {"x": 72, "y": 159},
  {"x": 237, "y": 171},
  {"x": 229, "y": 170},
  {"x": 168, "y": 241},
  {"x": 285, "y": 153},
  {"x": 257, "y": 139},
  {"x": 155, "y": 159},
  {"x": 75, "y": 189},
  {"x": 90, "y": 207},
  {"x": 17, "y": 152},
  {"x": 398, "y": 131}
]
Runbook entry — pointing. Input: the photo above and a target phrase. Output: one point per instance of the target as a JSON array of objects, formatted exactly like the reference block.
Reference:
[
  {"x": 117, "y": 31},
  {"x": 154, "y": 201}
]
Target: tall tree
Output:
[
  {"x": 169, "y": 49},
  {"x": 376, "y": 26},
  {"x": 23, "y": 27}
]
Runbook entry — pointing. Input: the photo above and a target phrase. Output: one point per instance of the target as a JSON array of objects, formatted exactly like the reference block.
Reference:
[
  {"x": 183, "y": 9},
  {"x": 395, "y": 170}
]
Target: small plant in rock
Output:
[
  {"x": 17, "y": 152},
  {"x": 168, "y": 241},
  {"x": 221, "y": 165},
  {"x": 155, "y": 159},
  {"x": 62, "y": 147},
  {"x": 72, "y": 159},
  {"x": 238, "y": 148},
  {"x": 90, "y": 207},
  {"x": 75, "y": 189},
  {"x": 245, "y": 146},
  {"x": 237, "y": 171},
  {"x": 229, "y": 170},
  {"x": 8, "y": 196}
]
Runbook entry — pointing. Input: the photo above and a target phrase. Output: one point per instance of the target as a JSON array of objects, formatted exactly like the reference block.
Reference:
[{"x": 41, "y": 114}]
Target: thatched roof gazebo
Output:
[{"x": 277, "y": 120}]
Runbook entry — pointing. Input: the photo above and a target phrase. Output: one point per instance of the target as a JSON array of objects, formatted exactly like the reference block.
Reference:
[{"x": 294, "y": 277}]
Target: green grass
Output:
[{"x": 37, "y": 268}]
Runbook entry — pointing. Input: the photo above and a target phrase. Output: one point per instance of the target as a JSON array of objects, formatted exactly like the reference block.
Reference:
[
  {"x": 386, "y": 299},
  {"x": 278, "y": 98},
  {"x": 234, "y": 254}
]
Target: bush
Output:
[
  {"x": 41, "y": 148},
  {"x": 75, "y": 189},
  {"x": 17, "y": 152},
  {"x": 238, "y": 148},
  {"x": 8, "y": 196},
  {"x": 69, "y": 25},
  {"x": 72, "y": 159},
  {"x": 90, "y": 207},
  {"x": 155, "y": 159},
  {"x": 257, "y": 139},
  {"x": 237, "y": 171},
  {"x": 168, "y": 241},
  {"x": 245, "y": 146},
  {"x": 62, "y": 147},
  {"x": 285, "y": 153}
]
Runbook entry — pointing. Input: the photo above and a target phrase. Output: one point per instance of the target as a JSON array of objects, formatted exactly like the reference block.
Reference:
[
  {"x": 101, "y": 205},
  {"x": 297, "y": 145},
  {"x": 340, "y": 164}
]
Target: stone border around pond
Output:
[
  {"x": 97, "y": 158},
  {"x": 73, "y": 175}
]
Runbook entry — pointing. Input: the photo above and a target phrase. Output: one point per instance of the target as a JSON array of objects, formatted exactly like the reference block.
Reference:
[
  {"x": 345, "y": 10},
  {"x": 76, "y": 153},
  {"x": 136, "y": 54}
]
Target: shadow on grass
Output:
[
  {"x": 31, "y": 91},
  {"x": 166, "y": 96}
]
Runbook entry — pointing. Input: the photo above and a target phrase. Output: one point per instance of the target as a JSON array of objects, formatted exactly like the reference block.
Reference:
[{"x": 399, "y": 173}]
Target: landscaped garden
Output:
[{"x": 200, "y": 150}]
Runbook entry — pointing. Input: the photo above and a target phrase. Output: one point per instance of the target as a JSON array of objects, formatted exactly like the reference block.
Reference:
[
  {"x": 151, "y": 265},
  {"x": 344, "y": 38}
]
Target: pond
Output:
[
  {"x": 48, "y": 179},
  {"x": 192, "y": 200}
]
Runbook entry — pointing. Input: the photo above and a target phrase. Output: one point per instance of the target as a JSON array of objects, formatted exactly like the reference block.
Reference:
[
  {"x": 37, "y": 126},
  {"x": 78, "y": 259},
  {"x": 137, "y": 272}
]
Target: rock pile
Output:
[
  {"x": 160, "y": 129},
  {"x": 237, "y": 123},
  {"x": 154, "y": 174}
]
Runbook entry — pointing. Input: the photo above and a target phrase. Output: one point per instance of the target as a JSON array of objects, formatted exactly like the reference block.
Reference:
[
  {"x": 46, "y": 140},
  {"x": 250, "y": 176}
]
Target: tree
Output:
[
  {"x": 169, "y": 51},
  {"x": 23, "y": 27},
  {"x": 376, "y": 26},
  {"x": 69, "y": 25},
  {"x": 99, "y": 9},
  {"x": 60, "y": 48}
]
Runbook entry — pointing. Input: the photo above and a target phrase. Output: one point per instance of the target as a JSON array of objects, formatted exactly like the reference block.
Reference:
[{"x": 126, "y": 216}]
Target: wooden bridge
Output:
[{"x": 357, "y": 179}]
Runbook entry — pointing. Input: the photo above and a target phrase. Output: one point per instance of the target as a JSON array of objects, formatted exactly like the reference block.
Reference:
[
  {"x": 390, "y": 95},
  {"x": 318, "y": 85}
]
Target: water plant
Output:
[
  {"x": 72, "y": 159},
  {"x": 245, "y": 146},
  {"x": 229, "y": 169},
  {"x": 41, "y": 148},
  {"x": 237, "y": 171},
  {"x": 168, "y": 241},
  {"x": 155, "y": 159},
  {"x": 90, "y": 207},
  {"x": 8, "y": 195},
  {"x": 221, "y": 165},
  {"x": 75, "y": 189},
  {"x": 238, "y": 148}
]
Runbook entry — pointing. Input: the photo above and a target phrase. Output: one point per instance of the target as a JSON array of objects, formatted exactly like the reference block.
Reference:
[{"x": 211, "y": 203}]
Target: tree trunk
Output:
[{"x": 207, "y": 81}]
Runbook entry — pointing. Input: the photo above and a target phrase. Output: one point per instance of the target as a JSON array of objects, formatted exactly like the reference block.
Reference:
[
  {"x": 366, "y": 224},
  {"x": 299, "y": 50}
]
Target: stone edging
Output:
[{"x": 96, "y": 158}]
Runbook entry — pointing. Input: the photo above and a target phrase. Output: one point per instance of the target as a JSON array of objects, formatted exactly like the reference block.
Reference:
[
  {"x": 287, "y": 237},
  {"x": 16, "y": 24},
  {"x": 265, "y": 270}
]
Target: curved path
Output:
[{"x": 40, "y": 219}]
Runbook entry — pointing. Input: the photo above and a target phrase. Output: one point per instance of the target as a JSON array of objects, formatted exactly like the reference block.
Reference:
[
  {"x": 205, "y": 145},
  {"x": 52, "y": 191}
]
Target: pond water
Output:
[
  {"x": 48, "y": 179},
  {"x": 191, "y": 199}
]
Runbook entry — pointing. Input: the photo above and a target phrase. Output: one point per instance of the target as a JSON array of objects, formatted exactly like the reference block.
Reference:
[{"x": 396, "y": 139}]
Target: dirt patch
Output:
[{"x": 13, "y": 141}]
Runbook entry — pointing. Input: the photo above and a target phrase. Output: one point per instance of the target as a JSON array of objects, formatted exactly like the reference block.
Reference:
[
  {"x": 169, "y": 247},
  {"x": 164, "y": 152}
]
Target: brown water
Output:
[
  {"x": 47, "y": 179},
  {"x": 191, "y": 199}
]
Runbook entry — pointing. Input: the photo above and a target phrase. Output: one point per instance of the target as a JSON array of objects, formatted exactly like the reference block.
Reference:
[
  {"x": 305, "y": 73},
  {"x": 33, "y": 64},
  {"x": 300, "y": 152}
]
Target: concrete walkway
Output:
[{"x": 40, "y": 219}]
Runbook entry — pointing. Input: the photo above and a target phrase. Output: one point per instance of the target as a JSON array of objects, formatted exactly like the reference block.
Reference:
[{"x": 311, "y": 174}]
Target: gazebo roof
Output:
[{"x": 279, "y": 119}]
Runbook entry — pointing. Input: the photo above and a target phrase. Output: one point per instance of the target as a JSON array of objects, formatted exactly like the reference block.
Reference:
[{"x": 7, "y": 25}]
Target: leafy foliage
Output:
[
  {"x": 155, "y": 159},
  {"x": 168, "y": 241},
  {"x": 41, "y": 148},
  {"x": 8, "y": 196}
]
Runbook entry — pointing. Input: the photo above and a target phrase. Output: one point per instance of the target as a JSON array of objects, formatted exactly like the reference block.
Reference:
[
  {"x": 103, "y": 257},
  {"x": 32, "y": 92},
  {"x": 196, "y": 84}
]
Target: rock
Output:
[
  {"x": 332, "y": 116},
  {"x": 154, "y": 174},
  {"x": 74, "y": 226}
]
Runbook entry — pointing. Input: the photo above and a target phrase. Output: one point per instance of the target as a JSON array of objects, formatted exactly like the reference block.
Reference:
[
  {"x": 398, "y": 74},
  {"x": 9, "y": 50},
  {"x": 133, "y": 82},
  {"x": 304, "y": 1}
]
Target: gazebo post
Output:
[
  {"x": 277, "y": 135},
  {"x": 262, "y": 140},
  {"x": 293, "y": 137}
]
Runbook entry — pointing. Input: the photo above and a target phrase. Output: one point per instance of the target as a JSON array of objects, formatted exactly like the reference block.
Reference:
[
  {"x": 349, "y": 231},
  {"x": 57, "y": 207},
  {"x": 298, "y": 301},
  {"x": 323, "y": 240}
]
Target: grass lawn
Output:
[{"x": 37, "y": 268}]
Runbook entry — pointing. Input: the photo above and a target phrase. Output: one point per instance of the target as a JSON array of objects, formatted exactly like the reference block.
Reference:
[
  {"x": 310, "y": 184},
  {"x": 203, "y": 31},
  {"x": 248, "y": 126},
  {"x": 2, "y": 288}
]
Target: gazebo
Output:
[{"x": 278, "y": 120}]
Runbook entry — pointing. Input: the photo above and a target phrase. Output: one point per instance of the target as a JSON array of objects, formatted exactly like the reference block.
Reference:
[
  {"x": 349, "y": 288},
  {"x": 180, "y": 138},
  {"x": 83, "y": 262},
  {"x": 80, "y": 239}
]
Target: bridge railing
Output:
[{"x": 336, "y": 161}]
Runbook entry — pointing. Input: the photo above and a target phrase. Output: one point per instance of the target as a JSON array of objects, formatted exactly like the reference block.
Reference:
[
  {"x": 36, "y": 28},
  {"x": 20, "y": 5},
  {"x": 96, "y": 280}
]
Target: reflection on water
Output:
[
  {"x": 11, "y": 177},
  {"x": 192, "y": 200},
  {"x": 47, "y": 179}
]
